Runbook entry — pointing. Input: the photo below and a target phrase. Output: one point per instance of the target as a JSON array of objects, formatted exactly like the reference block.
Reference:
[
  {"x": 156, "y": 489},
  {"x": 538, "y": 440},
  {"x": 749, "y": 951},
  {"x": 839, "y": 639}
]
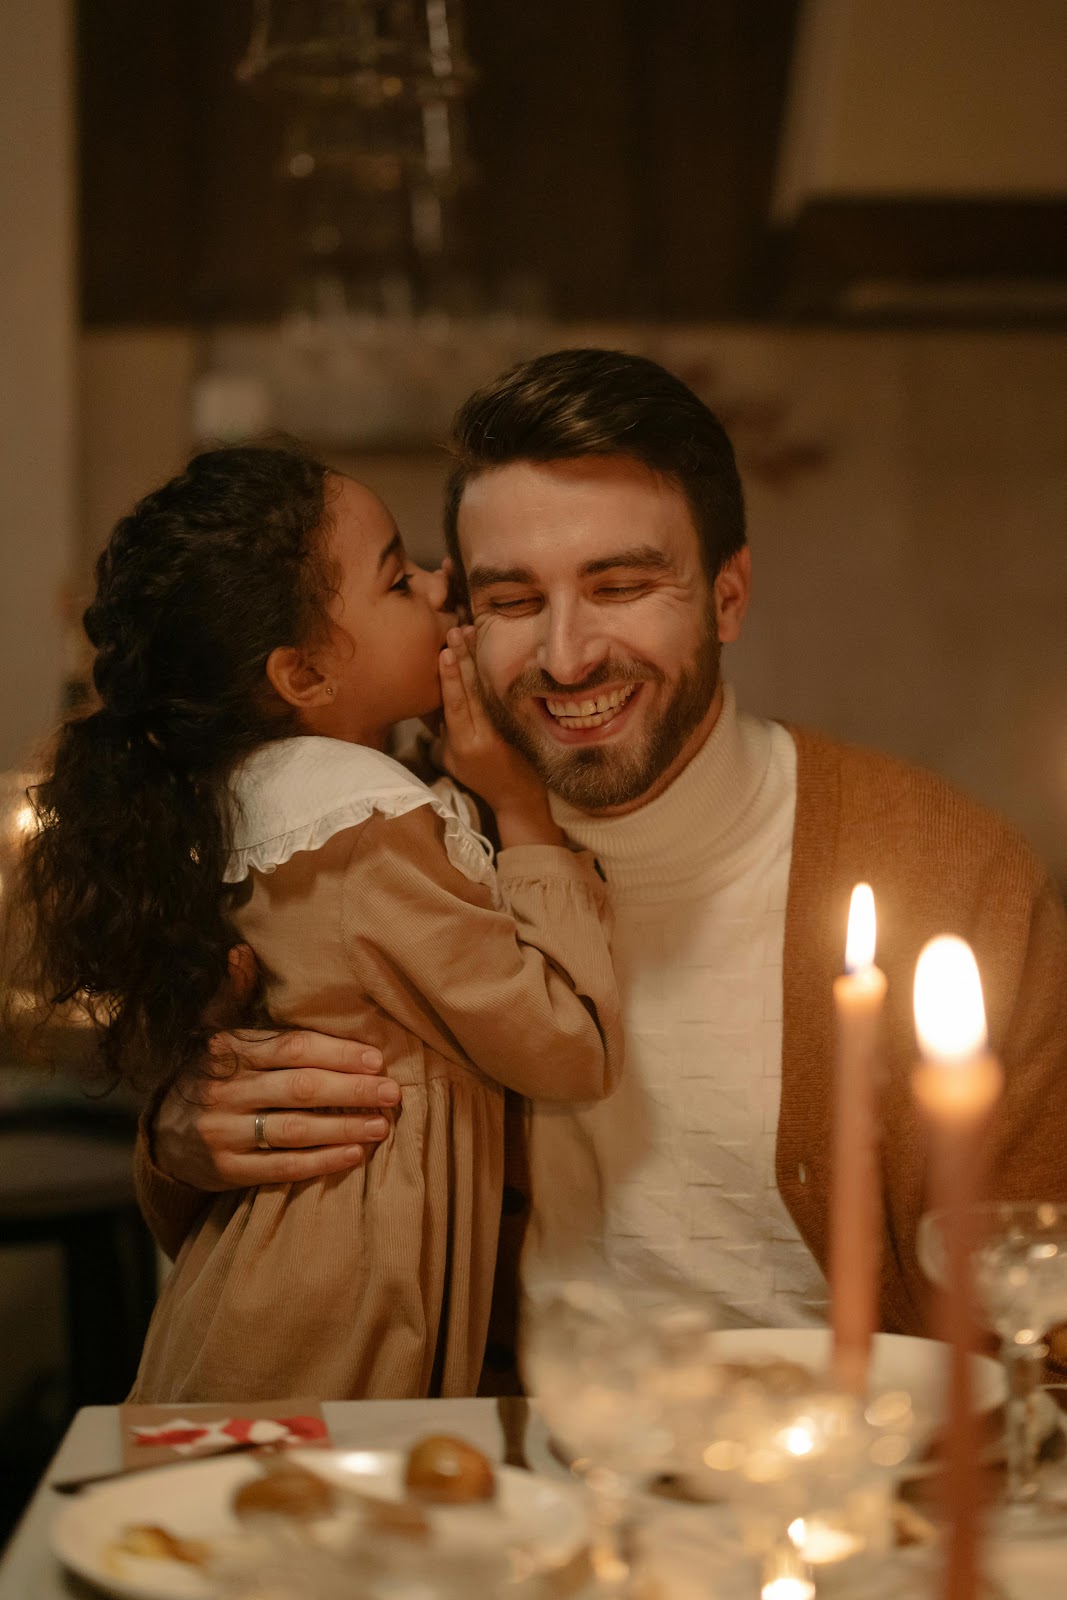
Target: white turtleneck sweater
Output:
[{"x": 675, "y": 1172}]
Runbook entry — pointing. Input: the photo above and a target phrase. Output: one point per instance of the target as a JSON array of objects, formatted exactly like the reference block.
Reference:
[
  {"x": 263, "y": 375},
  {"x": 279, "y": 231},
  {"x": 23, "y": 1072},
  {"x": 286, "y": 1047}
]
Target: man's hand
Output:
[{"x": 204, "y": 1132}]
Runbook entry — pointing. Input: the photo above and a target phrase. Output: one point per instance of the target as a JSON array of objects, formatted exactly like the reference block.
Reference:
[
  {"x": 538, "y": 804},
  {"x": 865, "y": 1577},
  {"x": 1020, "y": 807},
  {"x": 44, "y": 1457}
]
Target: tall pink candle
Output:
[
  {"x": 856, "y": 1214},
  {"x": 957, "y": 1084}
]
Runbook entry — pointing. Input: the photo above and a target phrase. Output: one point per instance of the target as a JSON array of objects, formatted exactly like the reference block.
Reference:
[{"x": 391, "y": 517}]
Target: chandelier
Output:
[{"x": 375, "y": 149}]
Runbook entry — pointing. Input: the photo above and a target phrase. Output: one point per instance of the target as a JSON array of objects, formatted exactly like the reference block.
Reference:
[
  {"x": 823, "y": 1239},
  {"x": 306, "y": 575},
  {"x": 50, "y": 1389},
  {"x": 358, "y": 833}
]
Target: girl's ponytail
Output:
[
  {"x": 125, "y": 920},
  {"x": 119, "y": 908}
]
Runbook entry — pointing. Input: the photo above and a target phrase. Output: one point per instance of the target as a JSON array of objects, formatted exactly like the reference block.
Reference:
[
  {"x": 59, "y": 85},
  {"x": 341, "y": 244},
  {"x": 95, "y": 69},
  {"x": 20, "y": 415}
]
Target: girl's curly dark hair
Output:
[{"x": 119, "y": 895}]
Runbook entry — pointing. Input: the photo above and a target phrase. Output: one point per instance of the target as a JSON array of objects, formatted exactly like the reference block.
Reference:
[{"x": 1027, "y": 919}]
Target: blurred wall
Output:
[
  {"x": 910, "y": 585},
  {"x": 38, "y": 495},
  {"x": 912, "y": 593},
  {"x": 133, "y": 389},
  {"x": 37, "y": 365}
]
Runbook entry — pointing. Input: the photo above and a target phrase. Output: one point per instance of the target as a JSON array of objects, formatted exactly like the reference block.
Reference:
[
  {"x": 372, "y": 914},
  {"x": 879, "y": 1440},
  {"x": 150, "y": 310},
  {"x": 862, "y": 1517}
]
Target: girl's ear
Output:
[{"x": 297, "y": 678}]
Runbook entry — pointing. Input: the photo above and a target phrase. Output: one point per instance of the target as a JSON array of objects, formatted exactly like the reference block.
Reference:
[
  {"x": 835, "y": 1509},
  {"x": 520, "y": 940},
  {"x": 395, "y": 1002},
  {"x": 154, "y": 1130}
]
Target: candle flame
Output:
[
  {"x": 862, "y": 925},
  {"x": 949, "y": 1008}
]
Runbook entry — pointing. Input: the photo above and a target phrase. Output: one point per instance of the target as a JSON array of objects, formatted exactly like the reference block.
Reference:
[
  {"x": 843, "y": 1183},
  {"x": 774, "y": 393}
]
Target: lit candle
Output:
[
  {"x": 856, "y": 1216},
  {"x": 957, "y": 1084}
]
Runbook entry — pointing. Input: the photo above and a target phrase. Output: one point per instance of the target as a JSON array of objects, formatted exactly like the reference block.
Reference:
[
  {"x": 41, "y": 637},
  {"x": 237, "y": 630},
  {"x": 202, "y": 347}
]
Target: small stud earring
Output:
[{"x": 329, "y": 690}]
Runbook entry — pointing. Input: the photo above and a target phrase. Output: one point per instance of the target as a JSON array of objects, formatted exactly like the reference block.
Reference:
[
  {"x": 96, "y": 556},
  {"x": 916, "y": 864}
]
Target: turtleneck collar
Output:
[{"x": 700, "y": 823}]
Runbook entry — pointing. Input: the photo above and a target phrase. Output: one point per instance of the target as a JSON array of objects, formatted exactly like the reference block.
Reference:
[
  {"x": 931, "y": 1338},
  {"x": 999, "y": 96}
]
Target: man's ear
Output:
[
  {"x": 732, "y": 588},
  {"x": 297, "y": 678}
]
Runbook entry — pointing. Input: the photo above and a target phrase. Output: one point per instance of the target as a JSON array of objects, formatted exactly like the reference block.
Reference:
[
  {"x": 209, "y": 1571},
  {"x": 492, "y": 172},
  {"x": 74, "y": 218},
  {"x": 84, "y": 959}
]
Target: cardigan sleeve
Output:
[
  {"x": 169, "y": 1206},
  {"x": 527, "y": 993},
  {"x": 1029, "y": 1134}
]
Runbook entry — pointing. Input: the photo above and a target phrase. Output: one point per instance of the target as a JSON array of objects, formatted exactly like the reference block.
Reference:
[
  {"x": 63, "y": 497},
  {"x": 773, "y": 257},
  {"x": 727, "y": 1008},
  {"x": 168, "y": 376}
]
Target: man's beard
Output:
[{"x": 600, "y": 777}]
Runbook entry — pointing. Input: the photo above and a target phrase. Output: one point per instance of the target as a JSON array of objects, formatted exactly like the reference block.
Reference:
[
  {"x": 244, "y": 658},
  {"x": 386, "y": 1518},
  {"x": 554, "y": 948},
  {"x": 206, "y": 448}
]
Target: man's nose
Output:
[{"x": 571, "y": 646}]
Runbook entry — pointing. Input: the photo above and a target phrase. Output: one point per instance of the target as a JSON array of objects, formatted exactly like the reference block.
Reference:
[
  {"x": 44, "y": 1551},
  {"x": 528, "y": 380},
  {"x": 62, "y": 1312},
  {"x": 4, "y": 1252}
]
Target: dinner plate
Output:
[
  {"x": 192, "y": 1500},
  {"x": 897, "y": 1362}
]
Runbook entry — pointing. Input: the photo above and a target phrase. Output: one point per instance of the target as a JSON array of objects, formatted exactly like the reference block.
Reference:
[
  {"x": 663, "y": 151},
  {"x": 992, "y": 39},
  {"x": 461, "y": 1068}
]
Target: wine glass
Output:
[
  {"x": 616, "y": 1366},
  {"x": 1020, "y": 1275},
  {"x": 810, "y": 1469}
]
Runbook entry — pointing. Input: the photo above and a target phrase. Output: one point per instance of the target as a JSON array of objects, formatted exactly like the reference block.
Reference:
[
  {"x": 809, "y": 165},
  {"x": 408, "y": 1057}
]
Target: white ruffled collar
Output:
[{"x": 295, "y": 794}]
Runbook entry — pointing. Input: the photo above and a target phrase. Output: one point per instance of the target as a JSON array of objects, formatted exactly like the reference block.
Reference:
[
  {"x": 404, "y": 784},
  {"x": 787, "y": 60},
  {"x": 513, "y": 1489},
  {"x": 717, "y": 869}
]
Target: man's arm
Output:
[
  {"x": 325, "y": 1105},
  {"x": 1029, "y": 1150},
  {"x": 323, "y": 1101}
]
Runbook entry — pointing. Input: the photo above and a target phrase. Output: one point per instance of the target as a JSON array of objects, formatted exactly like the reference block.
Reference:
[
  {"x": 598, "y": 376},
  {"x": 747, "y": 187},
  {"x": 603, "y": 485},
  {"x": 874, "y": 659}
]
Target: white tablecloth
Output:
[{"x": 29, "y": 1571}]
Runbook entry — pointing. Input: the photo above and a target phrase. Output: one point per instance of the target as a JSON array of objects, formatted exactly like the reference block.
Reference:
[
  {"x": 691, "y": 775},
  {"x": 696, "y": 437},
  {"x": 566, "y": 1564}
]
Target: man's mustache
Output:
[{"x": 535, "y": 683}]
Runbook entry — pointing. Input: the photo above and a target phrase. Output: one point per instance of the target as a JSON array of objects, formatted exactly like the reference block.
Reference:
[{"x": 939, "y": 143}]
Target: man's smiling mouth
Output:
[{"x": 589, "y": 710}]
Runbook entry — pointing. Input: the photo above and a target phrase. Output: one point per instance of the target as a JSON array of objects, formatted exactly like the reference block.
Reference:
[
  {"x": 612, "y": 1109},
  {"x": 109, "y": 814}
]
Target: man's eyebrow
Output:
[
  {"x": 484, "y": 577},
  {"x": 646, "y": 556},
  {"x": 393, "y": 548}
]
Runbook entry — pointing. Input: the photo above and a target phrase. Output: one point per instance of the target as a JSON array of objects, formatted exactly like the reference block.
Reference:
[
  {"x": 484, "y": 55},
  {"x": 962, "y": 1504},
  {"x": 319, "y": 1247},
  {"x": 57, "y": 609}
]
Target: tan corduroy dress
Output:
[{"x": 378, "y": 1282}]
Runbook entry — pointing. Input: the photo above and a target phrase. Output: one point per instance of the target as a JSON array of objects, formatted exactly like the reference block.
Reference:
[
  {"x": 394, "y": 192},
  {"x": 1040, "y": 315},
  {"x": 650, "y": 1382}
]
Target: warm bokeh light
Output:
[
  {"x": 788, "y": 1588},
  {"x": 862, "y": 929},
  {"x": 949, "y": 1008},
  {"x": 798, "y": 1440},
  {"x": 820, "y": 1542}
]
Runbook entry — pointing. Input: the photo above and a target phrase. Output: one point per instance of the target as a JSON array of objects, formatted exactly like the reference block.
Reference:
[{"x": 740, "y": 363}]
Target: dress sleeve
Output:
[{"x": 527, "y": 993}]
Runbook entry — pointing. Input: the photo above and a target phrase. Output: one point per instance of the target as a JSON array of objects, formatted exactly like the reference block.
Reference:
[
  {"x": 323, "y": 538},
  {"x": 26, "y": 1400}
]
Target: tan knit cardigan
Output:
[{"x": 938, "y": 863}]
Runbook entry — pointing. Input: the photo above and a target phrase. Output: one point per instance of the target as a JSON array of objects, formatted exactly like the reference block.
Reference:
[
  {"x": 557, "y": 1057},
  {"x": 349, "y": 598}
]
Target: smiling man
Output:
[
  {"x": 604, "y": 671},
  {"x": 596, "y": 511}
]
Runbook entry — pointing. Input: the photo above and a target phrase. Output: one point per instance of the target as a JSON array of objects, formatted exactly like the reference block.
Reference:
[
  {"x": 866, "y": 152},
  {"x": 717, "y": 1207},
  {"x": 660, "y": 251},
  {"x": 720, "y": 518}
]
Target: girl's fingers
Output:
[
  {"x": 455, "y": 701},
  {"x": 468, "y": 673}
]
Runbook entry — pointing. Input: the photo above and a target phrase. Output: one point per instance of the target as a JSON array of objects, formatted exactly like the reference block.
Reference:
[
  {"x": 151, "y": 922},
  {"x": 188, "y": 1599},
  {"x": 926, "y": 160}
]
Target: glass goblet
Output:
[
  {"x": 613, "y": 1365},
  {"x": 817, "y": 1466},
  {"x": 1020, "y": 1275}
]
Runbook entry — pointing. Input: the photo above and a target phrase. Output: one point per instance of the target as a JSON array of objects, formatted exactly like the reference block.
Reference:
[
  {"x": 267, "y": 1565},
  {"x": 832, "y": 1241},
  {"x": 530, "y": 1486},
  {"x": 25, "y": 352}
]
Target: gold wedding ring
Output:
[{"x": 259, "y": 1132}]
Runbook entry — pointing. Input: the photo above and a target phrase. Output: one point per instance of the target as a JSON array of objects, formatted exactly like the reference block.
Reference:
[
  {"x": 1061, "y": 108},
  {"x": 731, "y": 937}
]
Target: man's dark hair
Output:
[{"x": 574, "y": 403}]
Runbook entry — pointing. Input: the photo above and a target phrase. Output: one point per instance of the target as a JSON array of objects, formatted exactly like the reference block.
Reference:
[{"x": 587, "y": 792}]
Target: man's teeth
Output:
[{"x": 591, "y": 712}]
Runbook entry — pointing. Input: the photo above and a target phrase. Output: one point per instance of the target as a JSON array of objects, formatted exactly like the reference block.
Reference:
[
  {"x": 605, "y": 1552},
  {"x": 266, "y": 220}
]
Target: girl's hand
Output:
[{"x": 475, "y": 753}]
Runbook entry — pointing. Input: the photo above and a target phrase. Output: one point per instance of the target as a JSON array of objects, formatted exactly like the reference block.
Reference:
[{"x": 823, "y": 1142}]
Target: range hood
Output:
[{"x": 923, "y": 161}]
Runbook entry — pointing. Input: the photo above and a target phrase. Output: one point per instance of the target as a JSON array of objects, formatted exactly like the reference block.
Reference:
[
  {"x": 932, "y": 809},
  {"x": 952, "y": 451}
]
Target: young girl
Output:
[{"x": 258, "y": 630}]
